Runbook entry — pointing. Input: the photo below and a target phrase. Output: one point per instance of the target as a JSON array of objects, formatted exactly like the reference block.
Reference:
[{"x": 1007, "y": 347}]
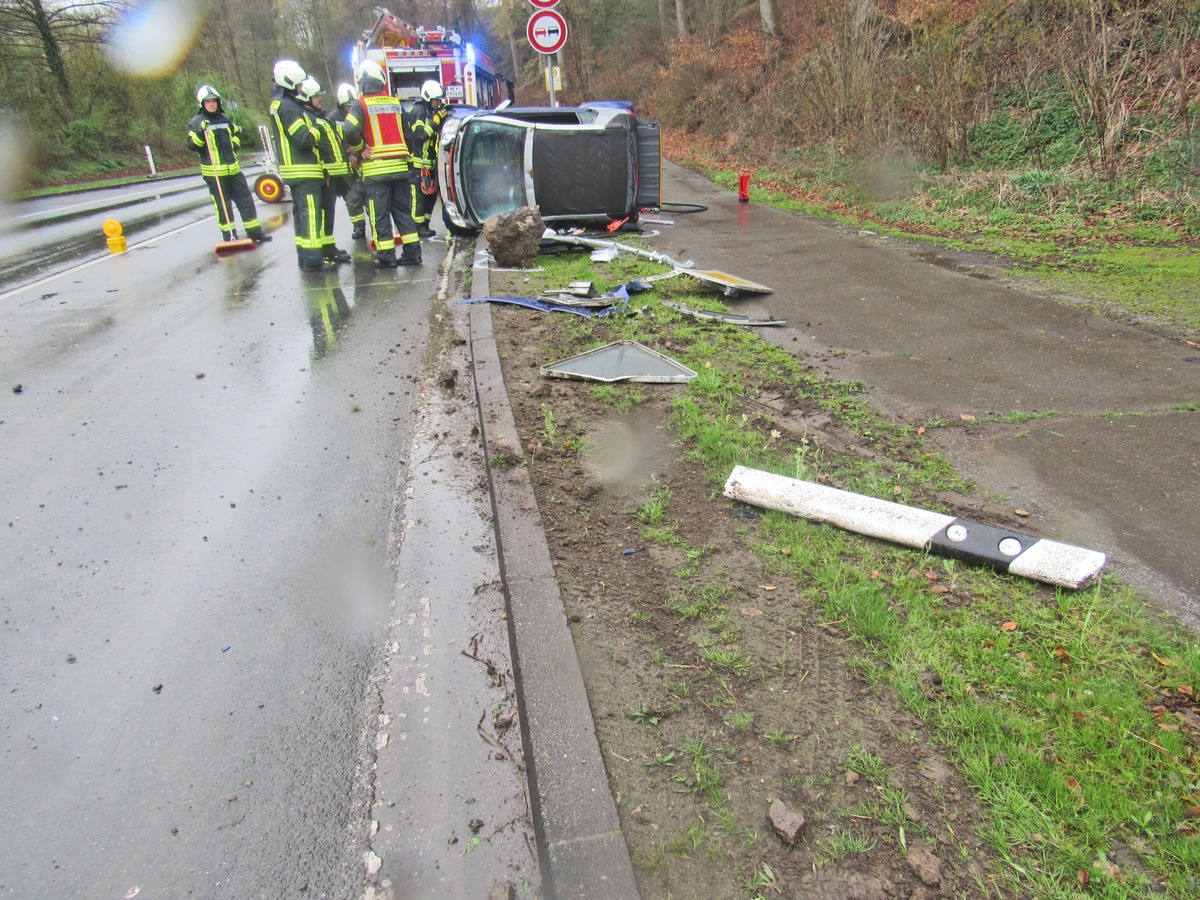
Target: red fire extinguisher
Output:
[{"x": 744, "y": 187}]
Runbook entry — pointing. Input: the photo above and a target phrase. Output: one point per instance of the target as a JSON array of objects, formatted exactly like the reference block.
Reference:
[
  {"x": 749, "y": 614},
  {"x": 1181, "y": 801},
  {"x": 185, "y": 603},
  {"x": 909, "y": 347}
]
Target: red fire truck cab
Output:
[{"x": 413, "y": 55}]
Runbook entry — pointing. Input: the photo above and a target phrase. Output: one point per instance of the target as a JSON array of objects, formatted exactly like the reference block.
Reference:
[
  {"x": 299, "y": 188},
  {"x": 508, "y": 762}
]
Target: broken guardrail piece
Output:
[
  {"x": 620, "y": 361},
  {"x": 729, "y": 318},
  {"x": 596, "y": 244},
  {"x": 1006, "y": 551}
]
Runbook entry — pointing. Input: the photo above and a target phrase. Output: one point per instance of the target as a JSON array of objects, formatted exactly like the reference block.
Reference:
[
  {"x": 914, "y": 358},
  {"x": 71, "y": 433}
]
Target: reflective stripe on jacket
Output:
[
  {"x": 374, "y": 121},
  {"x": 296, "y": 136},
  {"x": 422, "y": 135},
  {"x": 217, "y": 140},
  {"x": 329, "y": 148}
]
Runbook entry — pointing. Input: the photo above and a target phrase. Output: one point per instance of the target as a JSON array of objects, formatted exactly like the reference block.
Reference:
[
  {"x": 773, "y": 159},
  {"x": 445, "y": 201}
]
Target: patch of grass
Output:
[
  {"x": 622, "y": 398},
  {"x": 760, "y": 881},
  {"x": 780, "y": 737},
  {"x": 1016, "y": 417},
  {"x": 550, "y": 436},
  {"x": 843, "y": 843},
  {"x": 729, "y": 658},
  {"x": 646, "y": 715},
  {"x": 653, "y": 510},
  {"x": 866, "y": 763},
  {"x": 741, "y": 720},
  {"x": 666, "y": 535},
  {"x": 704, "y": 775}
]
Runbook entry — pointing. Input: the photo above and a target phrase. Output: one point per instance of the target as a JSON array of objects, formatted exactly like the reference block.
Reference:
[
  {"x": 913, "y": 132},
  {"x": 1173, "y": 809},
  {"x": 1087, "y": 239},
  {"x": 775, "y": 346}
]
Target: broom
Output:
[{"x": 224, "y": 247}]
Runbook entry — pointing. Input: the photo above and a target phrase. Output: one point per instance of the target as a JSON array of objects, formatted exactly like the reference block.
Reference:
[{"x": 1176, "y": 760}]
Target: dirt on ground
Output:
[{"x": 697, "y": 753}]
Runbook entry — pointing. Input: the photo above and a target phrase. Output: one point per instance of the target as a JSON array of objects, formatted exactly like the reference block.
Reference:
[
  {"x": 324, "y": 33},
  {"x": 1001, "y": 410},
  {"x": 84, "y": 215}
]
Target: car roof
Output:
[{"x": 560, "y": 115}]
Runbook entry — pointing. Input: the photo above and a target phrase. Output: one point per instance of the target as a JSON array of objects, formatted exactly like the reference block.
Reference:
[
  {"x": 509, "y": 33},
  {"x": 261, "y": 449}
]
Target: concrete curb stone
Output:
[{"x": 581, "y": 848}]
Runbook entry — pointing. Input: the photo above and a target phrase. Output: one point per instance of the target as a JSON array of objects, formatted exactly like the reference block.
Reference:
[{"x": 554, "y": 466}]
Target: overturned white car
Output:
[{"x": 589, "y": 164}]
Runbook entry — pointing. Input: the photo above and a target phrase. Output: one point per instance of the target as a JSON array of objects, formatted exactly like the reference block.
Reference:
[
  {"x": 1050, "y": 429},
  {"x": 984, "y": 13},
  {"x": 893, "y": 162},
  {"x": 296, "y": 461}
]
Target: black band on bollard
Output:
[{"x": 980, "y": 544}]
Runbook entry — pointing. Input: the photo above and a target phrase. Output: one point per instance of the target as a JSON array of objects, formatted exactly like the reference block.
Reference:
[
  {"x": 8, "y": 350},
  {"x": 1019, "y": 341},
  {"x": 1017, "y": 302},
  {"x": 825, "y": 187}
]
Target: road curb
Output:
[{"x": 580, "y": 845}]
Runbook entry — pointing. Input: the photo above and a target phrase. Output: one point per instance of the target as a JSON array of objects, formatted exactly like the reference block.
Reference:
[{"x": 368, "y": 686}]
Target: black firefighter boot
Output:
[{"x": 410, "y": 255}]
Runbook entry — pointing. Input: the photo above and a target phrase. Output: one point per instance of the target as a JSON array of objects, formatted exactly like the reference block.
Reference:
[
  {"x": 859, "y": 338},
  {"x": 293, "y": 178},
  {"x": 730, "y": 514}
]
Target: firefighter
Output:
[
  {"x": 297, "y": 135},
  {"x": 350, "y": 186},
  {"x": 217, "y": 139},
  {"x": 423, "y": 125},
  {"x": 333, "y": 165},
  {"x": 373, "y": 129}
]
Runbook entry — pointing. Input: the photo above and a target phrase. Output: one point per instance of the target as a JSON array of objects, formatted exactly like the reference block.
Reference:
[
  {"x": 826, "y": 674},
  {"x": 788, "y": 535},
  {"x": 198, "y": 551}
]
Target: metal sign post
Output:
[{"x": 547, "y": 32}]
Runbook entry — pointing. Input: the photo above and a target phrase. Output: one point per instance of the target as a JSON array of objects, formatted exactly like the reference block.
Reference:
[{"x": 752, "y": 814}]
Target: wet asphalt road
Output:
[{"x": 197, "y": 478}]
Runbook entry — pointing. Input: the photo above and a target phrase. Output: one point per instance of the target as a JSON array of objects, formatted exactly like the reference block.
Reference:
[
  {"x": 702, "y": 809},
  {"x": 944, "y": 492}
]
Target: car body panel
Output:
[{"x": 573, "y": 163}]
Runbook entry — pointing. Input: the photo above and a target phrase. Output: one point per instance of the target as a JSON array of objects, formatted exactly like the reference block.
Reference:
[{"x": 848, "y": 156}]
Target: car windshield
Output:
[{"x": 493, "y": 163}]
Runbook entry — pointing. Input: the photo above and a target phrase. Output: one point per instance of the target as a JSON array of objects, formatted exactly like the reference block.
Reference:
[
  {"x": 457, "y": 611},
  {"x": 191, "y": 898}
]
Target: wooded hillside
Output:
[{"x": 1043, "y": 84}]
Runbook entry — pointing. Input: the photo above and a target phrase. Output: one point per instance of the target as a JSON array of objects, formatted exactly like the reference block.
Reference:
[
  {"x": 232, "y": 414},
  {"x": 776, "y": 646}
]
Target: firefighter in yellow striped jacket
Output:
[
  {"x": 296, "y": 136},
  {"x": 216, "y": 137},
  {"x": 350, "y": 187},
  {"x": 333, "y": 163},
  {"x": 373, "y": 129},
  {"x": 423, "y": 125}
]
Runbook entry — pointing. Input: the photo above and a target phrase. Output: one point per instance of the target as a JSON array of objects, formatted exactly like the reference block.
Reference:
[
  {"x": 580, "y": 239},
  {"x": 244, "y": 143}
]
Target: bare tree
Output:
[
  {"x": 1098, "y": 57},
  {"x": 43, "y": 30},
  {"x": 666, "y": 20},
  {"x": 770, "y": 18}
]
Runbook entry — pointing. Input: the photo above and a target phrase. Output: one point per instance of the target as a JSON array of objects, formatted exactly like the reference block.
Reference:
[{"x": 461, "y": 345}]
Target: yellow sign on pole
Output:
[{"x": 553, "y": 78}]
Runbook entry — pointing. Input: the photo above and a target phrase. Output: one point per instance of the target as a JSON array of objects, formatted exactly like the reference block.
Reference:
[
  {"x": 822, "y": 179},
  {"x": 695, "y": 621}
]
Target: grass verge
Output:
[{"x": 1072, "y": 714}]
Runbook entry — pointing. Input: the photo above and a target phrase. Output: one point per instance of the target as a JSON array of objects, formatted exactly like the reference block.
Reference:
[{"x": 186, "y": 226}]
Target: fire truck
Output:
[{"x": 413, "y": 55}]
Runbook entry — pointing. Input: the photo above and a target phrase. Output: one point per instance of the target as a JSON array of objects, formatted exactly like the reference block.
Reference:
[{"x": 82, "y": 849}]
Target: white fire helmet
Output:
[
  {"x": 309, "y": 88},
  {"x": 372, "y": 70},
  {"x": 289, "y": 74},
  {"x": 432, "y": 90}
]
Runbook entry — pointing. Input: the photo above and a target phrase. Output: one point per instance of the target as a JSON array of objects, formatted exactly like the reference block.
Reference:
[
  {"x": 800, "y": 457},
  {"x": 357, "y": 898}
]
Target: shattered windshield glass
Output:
[{"x": 492, "y": 165}]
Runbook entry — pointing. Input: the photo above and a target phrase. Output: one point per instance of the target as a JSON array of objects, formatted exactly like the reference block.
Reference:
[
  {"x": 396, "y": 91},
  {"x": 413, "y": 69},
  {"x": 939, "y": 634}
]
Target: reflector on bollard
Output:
[{"x": 1006, "y": 551}]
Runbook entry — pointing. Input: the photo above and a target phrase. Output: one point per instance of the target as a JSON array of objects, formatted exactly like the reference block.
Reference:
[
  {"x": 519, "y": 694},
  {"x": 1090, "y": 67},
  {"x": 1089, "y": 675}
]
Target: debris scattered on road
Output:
[
  {"x": 18, "y": 389},
  {"x": 70, "y": 657},
  {"x": 157, "y": 688},
  {"x": 730, "y": 285},
  {"x": 621, "y": 361},
  {"x": 729, "y": 318}
]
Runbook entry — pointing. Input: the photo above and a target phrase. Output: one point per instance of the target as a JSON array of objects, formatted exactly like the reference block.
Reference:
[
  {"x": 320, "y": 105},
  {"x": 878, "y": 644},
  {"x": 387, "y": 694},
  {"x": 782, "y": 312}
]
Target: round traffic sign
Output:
[
  {"x": 547, "y": 31},
  {"x": 544, "y": 4}
]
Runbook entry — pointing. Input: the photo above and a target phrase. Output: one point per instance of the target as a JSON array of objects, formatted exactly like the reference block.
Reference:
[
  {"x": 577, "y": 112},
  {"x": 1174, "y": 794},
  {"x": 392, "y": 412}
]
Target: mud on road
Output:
[{"x": 696, "y": 753}]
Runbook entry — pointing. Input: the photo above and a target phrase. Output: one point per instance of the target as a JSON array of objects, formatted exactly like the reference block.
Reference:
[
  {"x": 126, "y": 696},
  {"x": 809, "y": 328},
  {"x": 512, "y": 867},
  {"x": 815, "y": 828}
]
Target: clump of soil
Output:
[{"x": 717, "y": 690}]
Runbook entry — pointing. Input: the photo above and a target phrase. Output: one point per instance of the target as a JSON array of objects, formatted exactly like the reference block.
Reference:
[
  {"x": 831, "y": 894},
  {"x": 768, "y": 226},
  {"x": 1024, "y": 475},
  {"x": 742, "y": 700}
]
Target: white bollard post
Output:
[
  {"x": 974, "y": 542},
  {"x": 150, "y": 159}
]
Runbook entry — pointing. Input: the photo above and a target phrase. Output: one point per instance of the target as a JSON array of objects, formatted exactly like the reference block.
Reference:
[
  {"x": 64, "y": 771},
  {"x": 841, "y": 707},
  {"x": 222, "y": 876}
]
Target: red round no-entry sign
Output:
[
  {"x": 544, "y": 4},
  {"x": 547, "y": 31}
]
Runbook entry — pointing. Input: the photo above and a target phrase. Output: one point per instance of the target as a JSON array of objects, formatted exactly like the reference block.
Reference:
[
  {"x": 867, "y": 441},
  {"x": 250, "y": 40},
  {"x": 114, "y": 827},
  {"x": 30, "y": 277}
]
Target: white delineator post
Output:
[{"x": 1007, "y": 551}]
